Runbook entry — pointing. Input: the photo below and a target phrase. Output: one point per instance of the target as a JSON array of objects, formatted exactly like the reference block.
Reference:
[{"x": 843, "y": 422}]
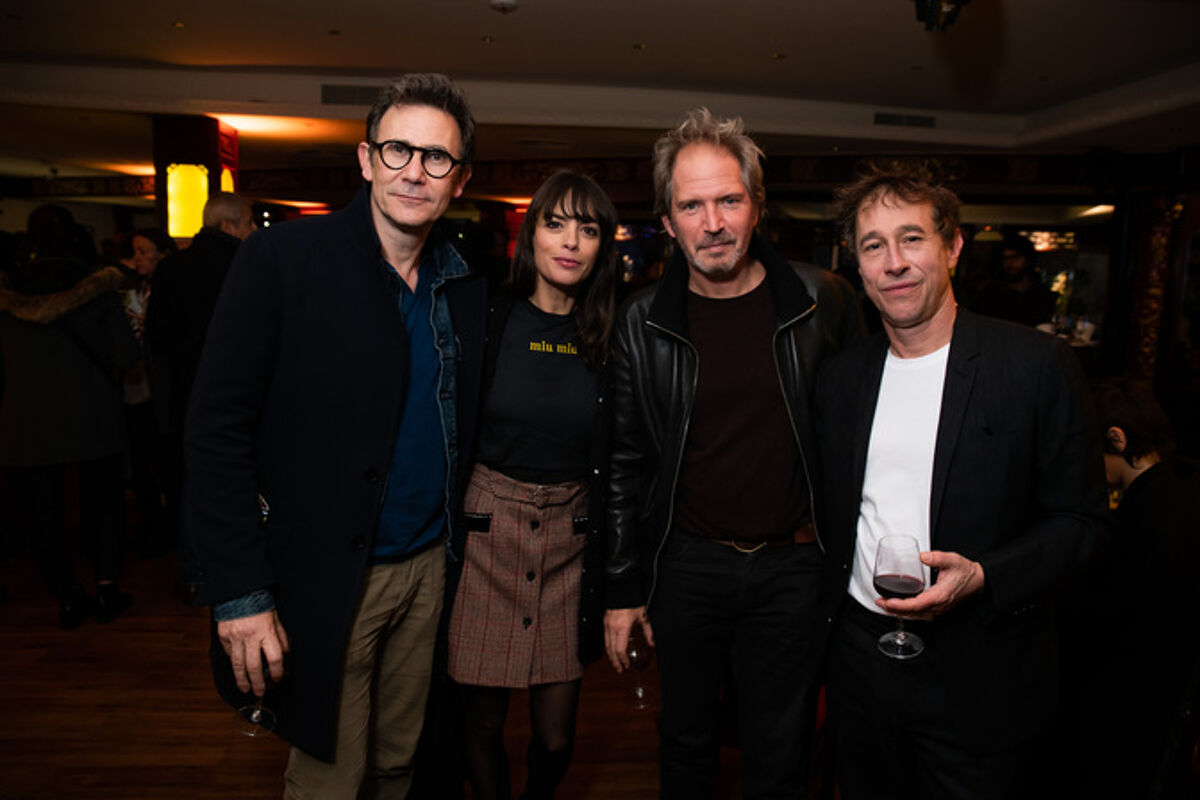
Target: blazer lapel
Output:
[
  {"x": 867, "y": 398},
  {"x": 960, "y": 378}
]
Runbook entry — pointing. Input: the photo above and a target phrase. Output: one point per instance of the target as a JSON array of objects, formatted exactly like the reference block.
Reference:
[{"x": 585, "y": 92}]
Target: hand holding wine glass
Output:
[
  {"x": 899, "y": 573},
  {"x": 255, "y": 720},
  {"x": 639, "y": 654}
]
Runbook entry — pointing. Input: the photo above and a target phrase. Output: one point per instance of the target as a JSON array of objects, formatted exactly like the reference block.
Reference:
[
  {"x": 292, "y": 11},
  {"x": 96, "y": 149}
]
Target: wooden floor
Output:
[{"x": 127, "y": 710}]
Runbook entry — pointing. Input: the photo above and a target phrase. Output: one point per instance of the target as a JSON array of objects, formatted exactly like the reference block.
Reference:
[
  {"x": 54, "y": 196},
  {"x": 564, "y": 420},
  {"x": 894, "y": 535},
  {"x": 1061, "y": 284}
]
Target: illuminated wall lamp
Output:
[{"x": 187, "y": 192}]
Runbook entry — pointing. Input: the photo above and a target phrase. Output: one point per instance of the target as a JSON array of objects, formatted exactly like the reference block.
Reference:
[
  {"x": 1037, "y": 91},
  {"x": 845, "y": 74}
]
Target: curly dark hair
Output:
[
  {"x": 1129, "y": 404},
  {"x": 910, "y": 181}
]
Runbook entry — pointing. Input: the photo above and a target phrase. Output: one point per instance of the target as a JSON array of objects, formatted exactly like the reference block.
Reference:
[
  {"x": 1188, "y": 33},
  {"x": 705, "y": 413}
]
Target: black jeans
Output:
[
  {"x": 892, "y": 724},
  {"x": 717, "y": 610}
]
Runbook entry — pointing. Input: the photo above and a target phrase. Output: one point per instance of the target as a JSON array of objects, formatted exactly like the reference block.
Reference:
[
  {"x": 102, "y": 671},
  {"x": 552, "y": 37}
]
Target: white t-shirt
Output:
[{"x": 899, "y": 472}]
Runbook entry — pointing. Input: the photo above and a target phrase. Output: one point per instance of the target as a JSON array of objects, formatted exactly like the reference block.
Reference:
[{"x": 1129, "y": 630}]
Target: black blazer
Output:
[
  {"x": 298, "y": 397},
  {"x": 1018, "y": 485}
]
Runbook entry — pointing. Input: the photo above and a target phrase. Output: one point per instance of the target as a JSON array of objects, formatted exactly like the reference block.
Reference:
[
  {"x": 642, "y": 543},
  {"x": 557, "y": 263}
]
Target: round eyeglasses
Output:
[{"x": 395, "y": 154}]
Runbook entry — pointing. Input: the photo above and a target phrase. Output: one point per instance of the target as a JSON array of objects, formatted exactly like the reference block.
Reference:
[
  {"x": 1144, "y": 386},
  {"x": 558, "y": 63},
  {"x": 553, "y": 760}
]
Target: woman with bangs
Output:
[{"x": 528, "y": 609}]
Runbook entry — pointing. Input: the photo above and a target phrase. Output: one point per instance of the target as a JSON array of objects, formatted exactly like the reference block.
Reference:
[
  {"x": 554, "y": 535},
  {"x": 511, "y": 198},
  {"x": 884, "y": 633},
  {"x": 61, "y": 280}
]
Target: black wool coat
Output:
[{"x": 298, "y": 398}]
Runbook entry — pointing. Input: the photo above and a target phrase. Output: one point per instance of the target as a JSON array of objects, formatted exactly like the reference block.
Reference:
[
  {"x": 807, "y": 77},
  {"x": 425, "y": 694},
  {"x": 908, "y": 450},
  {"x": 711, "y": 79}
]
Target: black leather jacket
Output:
[{"x": 654, "y": 385}]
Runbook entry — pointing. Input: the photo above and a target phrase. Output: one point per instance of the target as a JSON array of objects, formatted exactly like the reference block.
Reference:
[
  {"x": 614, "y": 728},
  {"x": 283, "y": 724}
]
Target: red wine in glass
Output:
[
  {"x": 898, "y": 587},
  {"x": 899, "y": 574}
]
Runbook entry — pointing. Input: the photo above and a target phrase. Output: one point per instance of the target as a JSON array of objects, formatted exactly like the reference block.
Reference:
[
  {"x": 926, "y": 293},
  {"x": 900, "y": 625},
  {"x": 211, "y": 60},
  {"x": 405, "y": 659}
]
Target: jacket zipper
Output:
[
  {"x": 687, "y": 421},
  {"x": 812, "y": 498}
]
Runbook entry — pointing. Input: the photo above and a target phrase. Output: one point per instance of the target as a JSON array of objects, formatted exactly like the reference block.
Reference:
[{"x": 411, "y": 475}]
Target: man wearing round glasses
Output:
[
  {"x": 339, "y": 382},
  {"x": 410, "y": 160}
]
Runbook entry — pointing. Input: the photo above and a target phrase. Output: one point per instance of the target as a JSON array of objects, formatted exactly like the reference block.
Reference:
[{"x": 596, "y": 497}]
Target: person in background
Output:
[
  {"x": 183, "y": 295},
  {"x": 528, "y": 610},
  {"x": 150, "y": 246},
  {"x": 64, "y": 342},
  {"x": 1129, "y": 628},
  {"x": 1019, "y": 294}
]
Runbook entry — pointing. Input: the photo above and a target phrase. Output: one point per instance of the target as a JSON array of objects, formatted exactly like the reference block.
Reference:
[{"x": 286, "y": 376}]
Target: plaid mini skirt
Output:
[{"x": 515, "y": 621}]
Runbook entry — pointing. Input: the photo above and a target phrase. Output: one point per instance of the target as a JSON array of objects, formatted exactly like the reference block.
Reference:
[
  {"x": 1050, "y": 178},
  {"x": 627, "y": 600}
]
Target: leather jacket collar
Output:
[{"x": 669, "y": 308}]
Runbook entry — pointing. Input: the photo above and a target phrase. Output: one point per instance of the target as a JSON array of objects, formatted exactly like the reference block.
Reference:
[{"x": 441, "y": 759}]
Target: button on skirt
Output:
[{"x": 515, "y": 621}]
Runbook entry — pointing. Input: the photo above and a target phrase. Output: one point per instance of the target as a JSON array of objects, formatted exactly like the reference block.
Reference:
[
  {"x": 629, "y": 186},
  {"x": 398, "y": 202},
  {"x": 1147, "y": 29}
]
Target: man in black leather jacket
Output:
[{"x": 713, "y": 553}]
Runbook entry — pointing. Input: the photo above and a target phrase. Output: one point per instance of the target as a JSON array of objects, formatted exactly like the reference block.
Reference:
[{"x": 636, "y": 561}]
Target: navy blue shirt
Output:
[{"x": 414, "y": 506}]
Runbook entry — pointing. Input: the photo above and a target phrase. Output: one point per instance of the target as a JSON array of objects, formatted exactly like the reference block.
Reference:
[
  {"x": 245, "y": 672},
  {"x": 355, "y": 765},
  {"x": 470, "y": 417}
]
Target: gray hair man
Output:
[{"x": 714, "y": 555}]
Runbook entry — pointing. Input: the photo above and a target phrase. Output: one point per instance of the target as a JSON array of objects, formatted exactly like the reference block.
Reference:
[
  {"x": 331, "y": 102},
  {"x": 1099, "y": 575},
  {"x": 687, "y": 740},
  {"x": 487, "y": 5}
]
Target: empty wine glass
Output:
[
  {"x": 899, "y": 573},
  {"x": 255, "y": 720},
  {"x": 639, "y": 654}
]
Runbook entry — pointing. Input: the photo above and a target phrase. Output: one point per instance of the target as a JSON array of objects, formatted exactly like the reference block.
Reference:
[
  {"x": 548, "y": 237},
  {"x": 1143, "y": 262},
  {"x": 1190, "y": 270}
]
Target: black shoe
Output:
[
  {"x": 76, "y": 605},
  {"x": 110, "y": 602}
]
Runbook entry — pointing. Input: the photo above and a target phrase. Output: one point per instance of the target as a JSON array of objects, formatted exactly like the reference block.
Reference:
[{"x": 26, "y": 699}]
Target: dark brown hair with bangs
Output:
[{"x": 575, "y": 196}]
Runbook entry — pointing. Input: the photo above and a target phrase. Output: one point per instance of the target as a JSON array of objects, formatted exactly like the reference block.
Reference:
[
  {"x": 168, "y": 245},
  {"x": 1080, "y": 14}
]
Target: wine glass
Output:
[
  {"x": 639, "y": 654},
  {"x": 899, "y": 573},
  {"x": 255, "y": 720}
]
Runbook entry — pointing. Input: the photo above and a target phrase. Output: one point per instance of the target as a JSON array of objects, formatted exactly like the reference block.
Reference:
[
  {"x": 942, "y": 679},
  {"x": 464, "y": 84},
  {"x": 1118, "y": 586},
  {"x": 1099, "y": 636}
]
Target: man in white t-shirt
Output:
[{"x": 968, "y": 434}]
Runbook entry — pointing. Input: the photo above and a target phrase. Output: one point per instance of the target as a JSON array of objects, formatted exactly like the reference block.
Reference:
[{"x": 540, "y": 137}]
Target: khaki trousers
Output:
[{"x": 385, "y": 683}]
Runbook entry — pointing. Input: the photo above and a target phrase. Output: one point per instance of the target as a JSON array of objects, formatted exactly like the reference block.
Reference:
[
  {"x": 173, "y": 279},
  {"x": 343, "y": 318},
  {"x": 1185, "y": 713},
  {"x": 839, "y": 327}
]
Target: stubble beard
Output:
[{"x": 726, "y": 269}]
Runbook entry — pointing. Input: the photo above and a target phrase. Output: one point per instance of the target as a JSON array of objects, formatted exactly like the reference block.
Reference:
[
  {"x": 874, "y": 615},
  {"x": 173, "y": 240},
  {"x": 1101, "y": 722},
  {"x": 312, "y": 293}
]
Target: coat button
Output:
[
  {"x": 527, "y": 622},
  {"x": 371, "y": 475},
  {"x": 529, "y": 576},
  {"x": 358, "y": 542},
  {"x": 534, "y": 525}
]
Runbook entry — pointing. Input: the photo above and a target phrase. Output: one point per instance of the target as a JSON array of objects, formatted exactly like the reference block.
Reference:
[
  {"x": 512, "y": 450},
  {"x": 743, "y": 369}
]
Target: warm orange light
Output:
[
  {"x": 124, "y": 167},
  {"x": 520, "y": 202},
  {"x": 295, "y": 203},
  {"x": 226, "y": 180},
  {"x": 255, "y": 126}
]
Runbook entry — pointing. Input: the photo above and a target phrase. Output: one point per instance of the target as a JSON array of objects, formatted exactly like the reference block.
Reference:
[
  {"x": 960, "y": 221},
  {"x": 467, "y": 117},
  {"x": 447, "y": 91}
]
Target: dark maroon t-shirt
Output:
[{"x": 742, "y": 476}]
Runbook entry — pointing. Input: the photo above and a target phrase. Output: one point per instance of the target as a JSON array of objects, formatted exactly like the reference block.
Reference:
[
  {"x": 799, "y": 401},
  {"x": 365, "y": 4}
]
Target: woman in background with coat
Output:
[{"x": 64, "y": 343}]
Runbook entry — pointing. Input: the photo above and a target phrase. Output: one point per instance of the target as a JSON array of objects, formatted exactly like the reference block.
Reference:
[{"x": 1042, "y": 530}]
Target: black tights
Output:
[{"x": 552, "y": 708}]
